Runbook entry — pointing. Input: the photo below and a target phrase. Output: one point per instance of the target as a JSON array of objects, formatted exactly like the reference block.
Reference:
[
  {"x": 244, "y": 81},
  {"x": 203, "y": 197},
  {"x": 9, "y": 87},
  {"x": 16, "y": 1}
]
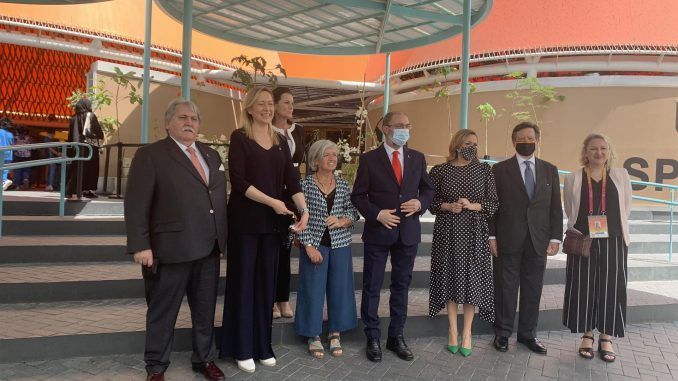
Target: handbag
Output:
[{"x": 576, "y": 243}]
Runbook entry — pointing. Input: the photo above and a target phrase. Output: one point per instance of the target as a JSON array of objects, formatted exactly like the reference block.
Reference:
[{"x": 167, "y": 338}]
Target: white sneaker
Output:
[
  {"x": 246, "y": 365},
  {"x": 268, "y": 362},
  {"x": 6, "y": 184}
]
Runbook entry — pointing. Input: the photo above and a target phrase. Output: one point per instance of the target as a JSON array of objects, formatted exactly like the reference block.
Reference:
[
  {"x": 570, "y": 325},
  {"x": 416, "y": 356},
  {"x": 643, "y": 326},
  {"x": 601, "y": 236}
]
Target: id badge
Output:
[{"x": 598, "y": 227}]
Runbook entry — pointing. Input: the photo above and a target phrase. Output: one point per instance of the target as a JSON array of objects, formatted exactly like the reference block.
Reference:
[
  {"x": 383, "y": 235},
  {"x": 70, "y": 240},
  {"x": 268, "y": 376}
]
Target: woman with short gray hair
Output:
[{"x": 325, "y": 264}]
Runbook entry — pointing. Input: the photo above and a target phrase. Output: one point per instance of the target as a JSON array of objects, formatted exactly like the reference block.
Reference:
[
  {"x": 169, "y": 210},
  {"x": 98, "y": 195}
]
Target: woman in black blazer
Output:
[
  {"x": 260, "y": 167},
  {"x": 294, "y": 136}
]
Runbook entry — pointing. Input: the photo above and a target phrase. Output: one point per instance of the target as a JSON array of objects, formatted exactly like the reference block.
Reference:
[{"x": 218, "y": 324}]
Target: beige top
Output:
[{"x": 572, "y": 197}]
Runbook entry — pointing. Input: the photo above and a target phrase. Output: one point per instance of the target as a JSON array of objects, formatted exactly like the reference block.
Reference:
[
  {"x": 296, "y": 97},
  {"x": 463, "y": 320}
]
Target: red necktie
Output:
[
  {"x": 196, "y": 163},
  {"x": 397, "y": 169}
]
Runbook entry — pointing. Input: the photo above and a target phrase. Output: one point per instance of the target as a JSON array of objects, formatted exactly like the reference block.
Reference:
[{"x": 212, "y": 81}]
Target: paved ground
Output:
[
  {"x": 24, "y": 320},
  {"x": 648, "y": 352}
]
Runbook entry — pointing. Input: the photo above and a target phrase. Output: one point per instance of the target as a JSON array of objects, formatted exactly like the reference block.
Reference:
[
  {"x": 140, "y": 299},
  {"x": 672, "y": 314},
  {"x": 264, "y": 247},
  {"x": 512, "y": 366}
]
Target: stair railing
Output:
[{"x": 63, "y": 160}]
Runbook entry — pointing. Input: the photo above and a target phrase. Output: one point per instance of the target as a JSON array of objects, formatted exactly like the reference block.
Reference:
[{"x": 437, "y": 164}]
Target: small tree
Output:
[
  {"x": 487, "y": 113},
  {"x": 251, "y": 68},
  {"x": 528, "y": 98},
  {"x": 100, "y": 96}
]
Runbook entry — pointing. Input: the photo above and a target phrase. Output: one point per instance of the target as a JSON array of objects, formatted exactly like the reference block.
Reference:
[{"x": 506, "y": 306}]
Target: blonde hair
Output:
[
  {"x": 248, "y": 120},
  {"x": 457, "y": 141},
  {"x": 611, "y": 153},
  {"x": 316, "y": 152}
]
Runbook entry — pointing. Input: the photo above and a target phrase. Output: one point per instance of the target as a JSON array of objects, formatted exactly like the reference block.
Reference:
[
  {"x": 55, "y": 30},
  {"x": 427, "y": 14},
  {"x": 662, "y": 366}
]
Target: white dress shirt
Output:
[
  {"x": 290, "y": 139},
  {"x": 202, "y": 161}
]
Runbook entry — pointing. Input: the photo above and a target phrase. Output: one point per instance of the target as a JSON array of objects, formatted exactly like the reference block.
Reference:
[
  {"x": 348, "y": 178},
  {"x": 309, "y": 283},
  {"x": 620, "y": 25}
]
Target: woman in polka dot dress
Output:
[{"x": 461, "y": 266}]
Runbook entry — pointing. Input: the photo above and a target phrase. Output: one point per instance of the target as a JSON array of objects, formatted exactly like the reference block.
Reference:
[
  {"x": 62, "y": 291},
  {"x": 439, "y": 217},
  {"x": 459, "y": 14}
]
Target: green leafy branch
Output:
[
  {"x": 487, "y": 113},
  {"x": 251, "y": 68},
  {"x": 101, "y": 96}
]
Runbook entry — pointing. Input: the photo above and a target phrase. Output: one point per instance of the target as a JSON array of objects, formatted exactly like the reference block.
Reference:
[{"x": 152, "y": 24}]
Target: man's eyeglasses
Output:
[{"x": 399, "y": 126}]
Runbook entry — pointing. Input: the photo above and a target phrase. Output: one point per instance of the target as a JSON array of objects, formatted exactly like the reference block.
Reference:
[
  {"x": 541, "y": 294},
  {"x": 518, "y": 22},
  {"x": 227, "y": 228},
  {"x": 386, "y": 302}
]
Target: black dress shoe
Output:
[
  {"x": 373, "y": 350},
  {"x": 534, "y": 345},
  {"x": 210, "y": 370},
  {"x": 501, "y": 343},
  {"x": 397, "y": 344}
]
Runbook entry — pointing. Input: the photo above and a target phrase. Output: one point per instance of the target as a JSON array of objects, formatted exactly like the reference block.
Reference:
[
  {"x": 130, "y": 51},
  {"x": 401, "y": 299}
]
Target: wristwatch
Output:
[{"x": 303, "y": 210}]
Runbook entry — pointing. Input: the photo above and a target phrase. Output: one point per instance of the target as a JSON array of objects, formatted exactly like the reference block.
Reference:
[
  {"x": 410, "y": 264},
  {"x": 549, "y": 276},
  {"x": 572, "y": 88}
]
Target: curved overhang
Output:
[
  {"x": 537, "y": 25},
  {"x": 53, "y": 2},
  {"x": 330, "y": 27}
]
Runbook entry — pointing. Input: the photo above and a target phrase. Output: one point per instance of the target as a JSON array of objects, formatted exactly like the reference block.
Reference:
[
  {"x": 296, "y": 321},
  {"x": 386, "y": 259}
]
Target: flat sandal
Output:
[
  {"x": 315, "y": 347},
  {"x": 587, "y": 352},
  {"x": 607, "y": 356},
  {"x": 335, "y": 349}
]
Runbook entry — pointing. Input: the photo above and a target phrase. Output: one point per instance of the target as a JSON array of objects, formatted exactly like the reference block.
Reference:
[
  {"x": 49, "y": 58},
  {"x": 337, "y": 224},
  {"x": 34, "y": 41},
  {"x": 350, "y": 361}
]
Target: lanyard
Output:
[{"x": 602, "y": 203}]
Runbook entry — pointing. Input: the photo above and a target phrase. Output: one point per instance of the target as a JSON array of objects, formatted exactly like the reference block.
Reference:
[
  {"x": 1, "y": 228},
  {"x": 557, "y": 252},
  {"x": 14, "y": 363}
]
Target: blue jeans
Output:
[
  {"x": 334, "y": 277},
  {"x": 22, "y": 174},
  {"x": 51, "y": 175}
]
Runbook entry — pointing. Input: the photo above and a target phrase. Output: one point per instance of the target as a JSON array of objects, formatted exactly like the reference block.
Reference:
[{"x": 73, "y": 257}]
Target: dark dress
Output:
[
  {"x": 298, "y": 158},
  {"x": 461, "y": 263},
  {"x": 90, "y": 168},
  {"x": 255, "y": 233},
  {"x": 595, "y": 287}
]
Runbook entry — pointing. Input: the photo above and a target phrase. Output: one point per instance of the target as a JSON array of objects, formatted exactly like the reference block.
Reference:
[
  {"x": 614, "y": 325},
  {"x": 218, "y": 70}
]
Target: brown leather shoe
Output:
[
  {"x": 155, "y": 377},
  {"x": 210, "y": 370}
]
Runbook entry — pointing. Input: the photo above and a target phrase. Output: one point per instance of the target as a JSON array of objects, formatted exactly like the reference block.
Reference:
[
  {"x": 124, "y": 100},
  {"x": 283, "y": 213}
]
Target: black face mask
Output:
[
  {"x": 468, "y": 153},
  {"x": 526, "y": 149}
]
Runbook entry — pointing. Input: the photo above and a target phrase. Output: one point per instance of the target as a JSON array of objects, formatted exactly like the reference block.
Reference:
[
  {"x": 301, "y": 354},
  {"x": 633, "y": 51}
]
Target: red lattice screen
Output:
[{"x": 34, "y": 83}]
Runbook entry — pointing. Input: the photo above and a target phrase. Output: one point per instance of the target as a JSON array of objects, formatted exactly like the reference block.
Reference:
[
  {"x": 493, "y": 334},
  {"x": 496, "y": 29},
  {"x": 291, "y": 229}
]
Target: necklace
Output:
[{"x": 324, "y": 189}]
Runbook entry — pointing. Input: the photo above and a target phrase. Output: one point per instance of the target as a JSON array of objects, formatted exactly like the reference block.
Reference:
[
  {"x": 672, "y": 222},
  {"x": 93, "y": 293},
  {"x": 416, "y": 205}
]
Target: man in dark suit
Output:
[
  {"x": 527, "y": 227},
  {"x": 175, "y": 213},
  {"x": 392, "y": 189}
]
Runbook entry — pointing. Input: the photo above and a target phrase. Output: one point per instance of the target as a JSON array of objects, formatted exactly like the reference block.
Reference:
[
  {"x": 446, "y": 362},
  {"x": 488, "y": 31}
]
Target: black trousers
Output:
[
  {"x": 251, "y": 270},
  {"x": 522, "y": 270},
  {"x": 165, "y": 290},
  {"x": 282, "y": 289},
  {"x": 402, "y": 262}
]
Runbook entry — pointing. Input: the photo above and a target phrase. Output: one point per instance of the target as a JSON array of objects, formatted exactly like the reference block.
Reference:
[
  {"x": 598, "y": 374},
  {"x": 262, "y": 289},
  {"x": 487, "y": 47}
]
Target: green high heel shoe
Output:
[
  {"x": 453, "y": 348},
  {"x": 466, "y": 352}
]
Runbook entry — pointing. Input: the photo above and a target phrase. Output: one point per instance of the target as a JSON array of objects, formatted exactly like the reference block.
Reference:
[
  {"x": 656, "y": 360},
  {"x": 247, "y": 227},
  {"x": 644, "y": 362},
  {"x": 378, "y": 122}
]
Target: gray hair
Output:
[
  {"x": 317, "y": 151},
  {"x": 176, "y": 102}
]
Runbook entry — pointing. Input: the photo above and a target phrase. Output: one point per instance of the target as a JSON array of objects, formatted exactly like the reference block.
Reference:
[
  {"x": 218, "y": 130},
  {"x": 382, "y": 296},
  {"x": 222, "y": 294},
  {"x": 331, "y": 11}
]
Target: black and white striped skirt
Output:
[{"x": 595, "y": 288}]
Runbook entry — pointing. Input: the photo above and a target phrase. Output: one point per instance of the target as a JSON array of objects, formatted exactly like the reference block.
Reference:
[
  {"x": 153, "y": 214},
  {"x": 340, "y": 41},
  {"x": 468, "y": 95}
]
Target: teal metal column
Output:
[
  {"x": 465, "y": 53},
  {"x": 186, "y": 50},
  {"x": 147, "y": 73},
  {"x": 387, "y": 83}
]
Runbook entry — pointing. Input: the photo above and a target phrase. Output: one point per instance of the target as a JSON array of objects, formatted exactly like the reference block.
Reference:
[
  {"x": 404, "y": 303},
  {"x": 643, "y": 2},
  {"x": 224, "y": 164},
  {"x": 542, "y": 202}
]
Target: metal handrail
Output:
[{"x": 63, "y": 160}]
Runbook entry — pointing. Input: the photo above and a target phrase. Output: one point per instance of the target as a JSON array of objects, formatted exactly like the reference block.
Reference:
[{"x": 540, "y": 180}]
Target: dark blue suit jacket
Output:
[{"x": 376, "y": 188}]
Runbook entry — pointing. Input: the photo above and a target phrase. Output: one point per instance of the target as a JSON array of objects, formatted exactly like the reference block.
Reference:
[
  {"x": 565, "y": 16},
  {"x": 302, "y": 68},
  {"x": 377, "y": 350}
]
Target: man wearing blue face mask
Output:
[{"x": 391, "y": 190}]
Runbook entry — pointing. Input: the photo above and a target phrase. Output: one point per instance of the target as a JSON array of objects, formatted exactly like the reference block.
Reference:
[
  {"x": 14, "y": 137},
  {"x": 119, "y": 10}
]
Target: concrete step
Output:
[
  {"x": 105, "y": 248},
  {"x": 28, "y": 225},
  {"x": 58, "y": 226},
  {"x": 40, "y": 331},
  {"x": 40, "y": 203},
  {"x": 19, "y": 203},
  {"x": 50, "y": 282}
]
